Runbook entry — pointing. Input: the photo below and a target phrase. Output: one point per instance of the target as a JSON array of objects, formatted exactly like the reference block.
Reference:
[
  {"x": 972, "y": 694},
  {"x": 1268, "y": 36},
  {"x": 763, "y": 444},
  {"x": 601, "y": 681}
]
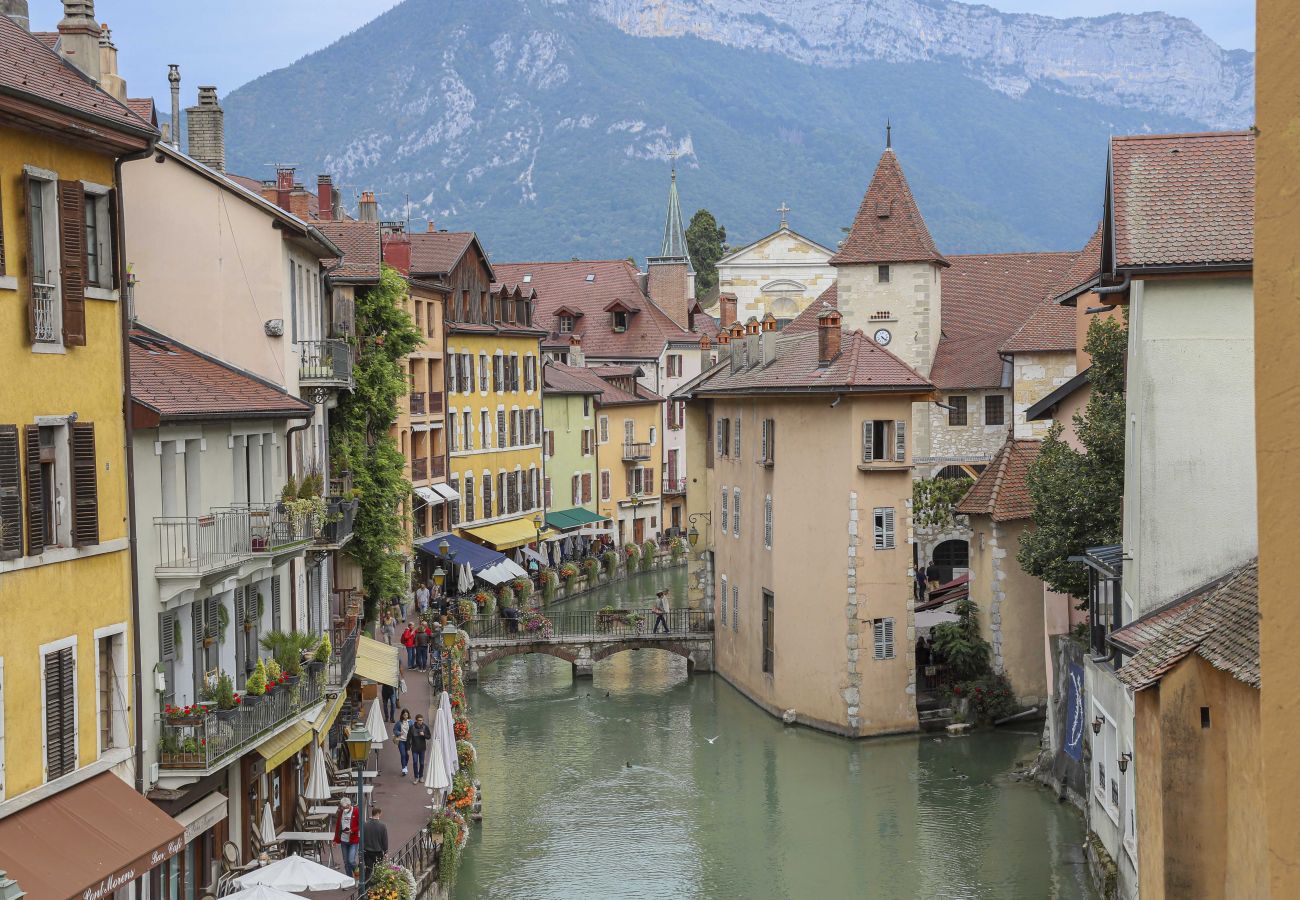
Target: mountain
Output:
[{"x": 547, "y": 126}]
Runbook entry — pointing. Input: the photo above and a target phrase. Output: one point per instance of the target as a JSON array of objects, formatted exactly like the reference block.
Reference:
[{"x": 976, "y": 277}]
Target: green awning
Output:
[{"x": 568, "y": 519}]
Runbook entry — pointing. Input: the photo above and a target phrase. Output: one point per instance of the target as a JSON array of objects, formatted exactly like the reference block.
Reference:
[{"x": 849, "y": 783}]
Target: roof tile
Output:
[
  {"x": 1002, "y": 490},
  {"x": 359, "y": 242},
  {"x": 888, "y": 226}
]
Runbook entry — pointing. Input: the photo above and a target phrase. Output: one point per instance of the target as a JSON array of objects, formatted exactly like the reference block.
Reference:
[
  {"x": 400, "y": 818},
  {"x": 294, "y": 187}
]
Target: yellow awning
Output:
[
  {"x": 286, "y": 744},
  {"x": 327, "y": 716},
  {"x": 377, "y": 662},
  {"x": 506, "y": 535}
]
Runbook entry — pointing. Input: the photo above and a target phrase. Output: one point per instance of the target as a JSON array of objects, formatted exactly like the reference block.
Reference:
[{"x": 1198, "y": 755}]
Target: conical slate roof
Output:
[
  {"x": 888, "y": 227},
  {"x": 674, "y": 243}
]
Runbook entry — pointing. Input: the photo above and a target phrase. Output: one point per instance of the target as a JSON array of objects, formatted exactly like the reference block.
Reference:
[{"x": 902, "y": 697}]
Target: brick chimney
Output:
[
  {"x": 726, "y": 310},
  {"x": 429, "y": 227},
  {"x": 16, "y": 10},
  {"x": 325, "y": 198},
  {"x": 396, "y": 244},
  {"x": 79, "y": 37},
  {"x": 724, "y": 337},
  {"x": 109, "y": 78},
  {"x": 284, "y": 187},
  {"x": 576, "y": 356},
  {"x": 668, "y": 284},
  {"x": 828, "y": 337},
  {"x": 299, "y": 201},
  {"x": 367, "y": 208},
  {"x": 206, "y": 127}
]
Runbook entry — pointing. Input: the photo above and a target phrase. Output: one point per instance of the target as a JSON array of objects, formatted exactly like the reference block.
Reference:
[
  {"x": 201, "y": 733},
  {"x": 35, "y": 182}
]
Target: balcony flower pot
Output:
[{"x": 250, "y": 701}]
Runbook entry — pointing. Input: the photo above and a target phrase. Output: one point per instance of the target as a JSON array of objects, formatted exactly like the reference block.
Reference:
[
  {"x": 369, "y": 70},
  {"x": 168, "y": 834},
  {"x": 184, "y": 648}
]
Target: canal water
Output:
[{"x": 644, "y": 783}]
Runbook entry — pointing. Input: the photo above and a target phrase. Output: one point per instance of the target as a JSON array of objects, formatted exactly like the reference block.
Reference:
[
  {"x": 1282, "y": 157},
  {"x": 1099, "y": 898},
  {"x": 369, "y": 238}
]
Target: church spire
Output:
[{"x": 674, "y": 243}]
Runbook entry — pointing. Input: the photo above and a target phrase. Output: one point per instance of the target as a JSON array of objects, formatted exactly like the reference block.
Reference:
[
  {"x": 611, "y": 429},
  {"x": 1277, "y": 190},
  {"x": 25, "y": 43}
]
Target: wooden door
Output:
[{"x": 638, "y": 531}]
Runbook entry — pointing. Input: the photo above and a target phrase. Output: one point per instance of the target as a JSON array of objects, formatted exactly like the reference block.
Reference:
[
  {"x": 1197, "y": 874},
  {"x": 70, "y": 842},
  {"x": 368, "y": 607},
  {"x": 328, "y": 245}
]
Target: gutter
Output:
[{"x": 124, "y": 325}]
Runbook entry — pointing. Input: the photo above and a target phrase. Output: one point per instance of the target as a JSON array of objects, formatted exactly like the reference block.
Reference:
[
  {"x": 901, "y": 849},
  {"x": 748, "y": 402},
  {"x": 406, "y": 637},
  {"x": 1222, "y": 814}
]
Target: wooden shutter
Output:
[
  {"x": 35, "y": 491},
  {"x": 11, "y": 501},
  {"x": 546, "y": 492},
  {"x": 167, "y": 637},
  {"x": 604, "y": 484},
  {"x": 577, "y": 490},
  {"x": 771, "y": 440},
  {"x": 111, "y": 240},
  {"x": 85, "y": 494},
  {"x": 900, "y": 441},
  {"x": 628, "y": 473},
  {"x": 725, "y": 520},
  {"x": 868, "y": 435},
  {"x": 72, "y": 261},
  {"x": 721, "y": 441},
  {"x": 60, "y": 713},
  {"x": 586, "y": 487},
  {"x": 2, "y": 238},
  {"x": 275, "y": 602},
  {"x": 33, "y": 276},
  {"x": 648, "y": 480}
]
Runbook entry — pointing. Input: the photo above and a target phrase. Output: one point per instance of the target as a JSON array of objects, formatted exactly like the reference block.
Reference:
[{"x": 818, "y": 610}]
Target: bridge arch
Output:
[
  {"x": 559, "y": 651},
  {"x": 609, "y": 650}
]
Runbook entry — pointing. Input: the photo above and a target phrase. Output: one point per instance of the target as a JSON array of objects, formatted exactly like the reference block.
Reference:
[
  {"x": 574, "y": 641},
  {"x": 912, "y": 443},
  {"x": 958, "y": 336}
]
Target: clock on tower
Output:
[{"x": 883, "y": 337}]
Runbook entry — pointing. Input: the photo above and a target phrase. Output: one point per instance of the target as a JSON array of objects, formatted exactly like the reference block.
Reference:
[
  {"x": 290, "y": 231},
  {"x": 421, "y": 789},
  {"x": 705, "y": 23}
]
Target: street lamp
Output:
[
  {"x": 358, "y": 741},
  {"x": 449, "y": 636},
  {"x": 693, "y": 534},
  {"x": 439, "y": 576}
]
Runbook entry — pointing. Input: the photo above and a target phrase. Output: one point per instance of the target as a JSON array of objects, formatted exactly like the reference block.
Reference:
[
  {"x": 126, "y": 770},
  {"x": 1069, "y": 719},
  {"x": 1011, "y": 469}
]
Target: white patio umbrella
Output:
[
  {"x": 293, "y": 873},
  {"x": 318, "y": 783},
  {"x": 262, "y": 892},
  {"x": 436, "y": 777},
  {"x": 444, "y": 731},
  {"x": 466, "y": 579},
  {"x": 376, "y": 725},
  {"x": 266, "y": 828}
]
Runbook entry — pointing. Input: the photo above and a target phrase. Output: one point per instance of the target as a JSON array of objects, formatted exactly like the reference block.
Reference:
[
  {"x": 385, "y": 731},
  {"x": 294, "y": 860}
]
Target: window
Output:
[
  {"x": 468, "y": 496},
  {"x": 501, "y": 428},
  {"x": 99, "y": 236},
  {"x": 1104, "y": 611},
  {"x": 547, "y": 445},
  {"x": 469, "y": 431},
  {"x": 487, "y": 495},
  {"x": 60, "y": 701},
  {"x": 769, "y": 615},
  {"x": 883, "y": 441},
  {"x": 452, "y": 444},
  {"x": 994, "y": 412},
  {"x": 882, "y": 635},
  {"x": 57, "y": 250},
  {"x": 629, "y": 431},
  {"x": 674, "y": 362},
  {"x": 767, "y": 443},
  {"x": 604, "y": 484},
  {"x": 735, "y": 608},
  {"x": 725, "y": 500},
  {"x": 485, "y": 428},
  {"x": 566, "y": 324},
  {"x": 767, "y": 522},
  {"x": 618, "y": 319},
  {"x": 723, "y": 604},
  {"x": 737, "y": 445},
  {"x": 482, "y": 372},
  {"x": 586, "y": 406},
  {"x": 957, "y": 410},
  {"x": 498, "y": 381},
  {"x": 454, "y": 481},
  {"x": 1105, "y": 751},
  {"x": 62, "y": 497},
  {"x": 111, "y": 685},
  {"x": 735, "y": 511},
  {"x": 882, "y": 274},
  {"x": 546, "y": 490},
  {"x": 883, "y": 524},
  {"x": 653, "y": 435},
  {"x": 724, "y": 437},
  {"x": 604, "y": 429}
]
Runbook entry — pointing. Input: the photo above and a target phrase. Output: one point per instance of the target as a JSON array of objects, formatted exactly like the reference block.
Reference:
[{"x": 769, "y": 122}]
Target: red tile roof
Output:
[
  {"x": 986, "y": 298},
  {"x": 807, "y": 320},
  {"x": 888, "y": 226},
  {"x": 1181, "y": 200},
  {"x": 578, "y": 380},
  {"x": 1050, "y": 326},
  {"x": 178, "y": 382},
  {"x": 1219, "y": 622},
  {"x": 1002, "y": 491},
  {"x": 1083, "y": 271},
  {"x": 359, "y": 242},
  {"x": 250, "y": 184},
  {"x": 144, "y": 108},
  {"x": 565, "y": 284},
  {"x": 437, "y": 252},
  {"x": 29, "y": 68},
  {"x": 862, "y": 366}
]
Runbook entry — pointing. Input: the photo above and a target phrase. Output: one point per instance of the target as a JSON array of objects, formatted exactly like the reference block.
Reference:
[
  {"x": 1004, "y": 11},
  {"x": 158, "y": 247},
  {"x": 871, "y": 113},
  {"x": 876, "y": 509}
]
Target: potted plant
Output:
[
  {"x": 548, "y": 585},
  {"x": 273, "y": 673},
  {"x": 255, "y": 686},
  {"x": 610, "y": 558},
  {"x": 324, "y": 650},
  {"x": 632, "y": 554},
  {"x": 647, "y": 555},
  {"x": 522, "y": 587},
  {"x": 677, "y": 547},
  {"x": 465, "y": 610},
  {"x": 227, "y": 700},
  {"x": 591, "y": 568},
  {"x": 191, "y": 714},
  {"x": 569, "y": 572}
]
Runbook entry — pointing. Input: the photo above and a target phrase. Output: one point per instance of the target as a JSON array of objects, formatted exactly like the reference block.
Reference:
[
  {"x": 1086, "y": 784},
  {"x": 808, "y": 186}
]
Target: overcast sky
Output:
[{"x": 234, "y": 41}]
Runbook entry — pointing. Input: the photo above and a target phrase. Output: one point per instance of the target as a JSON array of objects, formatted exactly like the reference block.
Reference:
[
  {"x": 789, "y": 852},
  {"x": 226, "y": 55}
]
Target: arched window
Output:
[{"x": 954, "y": 554}]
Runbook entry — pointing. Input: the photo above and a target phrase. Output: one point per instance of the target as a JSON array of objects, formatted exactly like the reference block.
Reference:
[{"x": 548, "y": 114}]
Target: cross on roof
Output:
[
  {"x": 672, "y": 159},
  {"x": 783, "y": 209}
]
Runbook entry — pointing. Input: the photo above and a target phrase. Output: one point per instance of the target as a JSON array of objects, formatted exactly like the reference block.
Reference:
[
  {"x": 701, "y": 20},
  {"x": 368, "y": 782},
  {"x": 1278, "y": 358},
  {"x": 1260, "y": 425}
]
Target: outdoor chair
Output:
[
  {"x": 305, "y": 820},
  {"x": 229, "y": 857}
]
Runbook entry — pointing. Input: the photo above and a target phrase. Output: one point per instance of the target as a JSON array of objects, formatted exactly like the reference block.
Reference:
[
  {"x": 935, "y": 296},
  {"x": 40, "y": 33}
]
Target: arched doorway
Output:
[{"x": 949, "y": 556}]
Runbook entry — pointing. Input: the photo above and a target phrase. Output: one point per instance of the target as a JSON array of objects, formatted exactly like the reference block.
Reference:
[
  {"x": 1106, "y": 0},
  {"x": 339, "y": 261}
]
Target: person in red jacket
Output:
[
  {"x": 408, "y": 641},
  {"x": 347, "y": 832}
]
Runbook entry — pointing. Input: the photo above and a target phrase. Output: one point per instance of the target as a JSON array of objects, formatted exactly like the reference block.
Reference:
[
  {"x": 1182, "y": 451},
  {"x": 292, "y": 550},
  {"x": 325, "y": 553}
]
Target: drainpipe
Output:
[
  {"x": 124, "y": 322},
  {"x": 288, "y": 455},
  {"x": 1114, "y": 288}
]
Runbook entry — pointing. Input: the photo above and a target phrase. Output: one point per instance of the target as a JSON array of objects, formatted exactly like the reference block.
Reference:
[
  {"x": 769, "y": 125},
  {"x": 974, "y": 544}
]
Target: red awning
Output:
[{"x": 87, "y": 841}]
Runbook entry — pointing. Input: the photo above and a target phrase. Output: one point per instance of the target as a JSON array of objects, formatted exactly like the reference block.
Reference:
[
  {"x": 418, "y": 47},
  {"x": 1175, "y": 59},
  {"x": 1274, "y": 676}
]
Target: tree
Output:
[
  {"x": 362, "y": 441},
  {"x": 706, "y": 242},
  {"x": 1078, "y": 496},
  {"x": 935, "y": 499}
]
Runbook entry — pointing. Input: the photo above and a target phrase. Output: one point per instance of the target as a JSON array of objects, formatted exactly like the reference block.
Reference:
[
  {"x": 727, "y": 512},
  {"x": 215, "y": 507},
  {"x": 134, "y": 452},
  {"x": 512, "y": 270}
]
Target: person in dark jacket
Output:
[
  {"x": 422, "y": 635},
  {"x": 418, "y": 741},
  {"x": 376, "y": 845}
]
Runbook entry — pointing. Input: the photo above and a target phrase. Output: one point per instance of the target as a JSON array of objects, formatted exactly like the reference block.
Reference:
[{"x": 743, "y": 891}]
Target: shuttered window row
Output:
[{"x": 35, "y": 466}]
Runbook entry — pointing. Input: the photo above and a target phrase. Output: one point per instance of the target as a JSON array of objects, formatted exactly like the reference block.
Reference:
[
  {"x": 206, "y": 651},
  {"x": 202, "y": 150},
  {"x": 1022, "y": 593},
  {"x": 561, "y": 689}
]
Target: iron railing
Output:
[
  {"x": 437, "y": 467},
  {"x": 417, "y": 403},
  {"x": 44, "y": 316},
  {"x": 328, "y": 361},
  {"x": 630, "y": 623},
  {"x": 207, "y": 740},
  {"x": 271, "y": 528},
  {"x": 672, "y": 484},
  {"x": 419, "y": 469},
  {"x": 200, "y": 544},
  {"x": 340, "y": 519},
  {"x": 343, "y": 662},
  {"x": 633, "y": 451}
]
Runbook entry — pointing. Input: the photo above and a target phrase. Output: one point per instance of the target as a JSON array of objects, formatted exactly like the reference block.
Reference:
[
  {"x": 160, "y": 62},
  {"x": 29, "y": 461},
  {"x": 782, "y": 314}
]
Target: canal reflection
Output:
[{"x": 613, "y": 788}]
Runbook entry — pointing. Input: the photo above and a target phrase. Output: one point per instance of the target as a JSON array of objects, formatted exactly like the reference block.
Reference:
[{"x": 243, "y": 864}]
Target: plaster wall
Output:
[
  {"x": 1111, "y": 807},
  {"x": 566, "y": 421},
  {"x": 1010, "y": 607},
  {"x": 975, "y": 442},
  {"x": 1189, "y": 479},
  {"x": 781, "y": 274},
  {"x": 1034, "y": 376},
  {"x": 908, "y": 306},
  {"x": 609, "y": 458}
]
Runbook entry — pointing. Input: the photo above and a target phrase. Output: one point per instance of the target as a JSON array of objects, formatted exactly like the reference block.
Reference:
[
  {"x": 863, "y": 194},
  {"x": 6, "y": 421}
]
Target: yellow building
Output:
[
  {"x": 67, "y": 687},
  {"x": 493, "y": 394}
]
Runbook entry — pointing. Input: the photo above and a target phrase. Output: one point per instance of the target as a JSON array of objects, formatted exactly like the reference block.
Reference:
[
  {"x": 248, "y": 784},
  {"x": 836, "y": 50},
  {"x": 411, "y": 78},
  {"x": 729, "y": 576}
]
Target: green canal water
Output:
[{"x": 610, "y": 788}]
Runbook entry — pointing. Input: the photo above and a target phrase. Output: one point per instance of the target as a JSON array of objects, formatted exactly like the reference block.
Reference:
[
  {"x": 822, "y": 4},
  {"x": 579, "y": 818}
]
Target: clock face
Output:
[{"x": 883, "y": 337}]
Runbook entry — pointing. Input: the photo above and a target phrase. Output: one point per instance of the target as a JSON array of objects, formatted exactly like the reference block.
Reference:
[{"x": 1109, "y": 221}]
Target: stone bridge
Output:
[{"x": 584, "y": 638}]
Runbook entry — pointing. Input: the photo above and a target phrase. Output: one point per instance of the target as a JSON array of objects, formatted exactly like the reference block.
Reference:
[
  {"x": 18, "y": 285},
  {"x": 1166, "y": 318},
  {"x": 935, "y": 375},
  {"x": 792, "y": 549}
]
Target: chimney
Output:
[
  {"x": 576, "y": 356},
  {"x": 668, "y": 286},
  {"x": 299, "y": 201},
  {"x": 752, "y": 326},
  {"x": 429, "y": 227},
  {"x": 174, "y": 79},
  {"x": 726, "y": 310},
  {"x": 206, "y": 126},
  {"x": 724, "y": 337},
  {"x": 79, "y": 36},
  {"x": 324, "y": 198},
  {"x": 767, "y": 339},
  {"x": 367, "y": 208},
  {"x": 828, "y": 337},
  {"x": 109, "y": 79},
  {"x": 284, "y": 187},
  {"x": 16, "y": 10},
  {"x": 396, "y": 246}
]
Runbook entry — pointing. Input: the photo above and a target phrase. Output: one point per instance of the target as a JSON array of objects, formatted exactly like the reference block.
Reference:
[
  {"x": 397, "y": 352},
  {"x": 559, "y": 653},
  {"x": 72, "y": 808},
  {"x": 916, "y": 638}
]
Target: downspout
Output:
[
  {"x": 124, "y": 310},
  {"x": 1115, "y": 288},
  {"x": 288, "y": 455}
]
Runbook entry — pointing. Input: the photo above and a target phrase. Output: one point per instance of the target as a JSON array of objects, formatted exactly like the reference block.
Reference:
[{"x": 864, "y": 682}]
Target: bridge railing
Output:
[{"x": 624, "y": 623}]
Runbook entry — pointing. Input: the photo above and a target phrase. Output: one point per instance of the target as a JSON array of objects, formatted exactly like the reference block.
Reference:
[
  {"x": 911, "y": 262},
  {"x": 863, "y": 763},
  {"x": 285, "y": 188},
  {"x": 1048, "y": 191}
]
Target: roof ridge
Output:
[{"x": 1182, "y": 135}]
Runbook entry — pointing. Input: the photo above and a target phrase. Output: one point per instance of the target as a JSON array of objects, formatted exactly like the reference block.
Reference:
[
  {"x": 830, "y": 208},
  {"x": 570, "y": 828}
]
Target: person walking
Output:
[
  {"x": 420, "y": 735},
  {"x": 402, "y": 735},
  {"x": 376, "y": 844},
  {"x": 422, "y": 599},
  {"x": 408, "y": 641},
  {"x": 347, "y": 829},
  {"x": 388, "y": 698},
  {"x": 388, "y": 627},
  {"x": 661, "y": 608},
  {"x": 422, "y": 634}
]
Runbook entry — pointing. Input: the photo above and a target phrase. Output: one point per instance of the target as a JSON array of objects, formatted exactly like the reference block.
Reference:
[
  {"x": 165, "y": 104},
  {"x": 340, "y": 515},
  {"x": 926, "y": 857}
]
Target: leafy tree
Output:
[
  {"x": 934, "y": 499},
  {"x": 960, "y": 645},
  {"x": 362, "y": 439},
  {"x": 706, "y": 243},
  {"x": 1078, "y": 496}
]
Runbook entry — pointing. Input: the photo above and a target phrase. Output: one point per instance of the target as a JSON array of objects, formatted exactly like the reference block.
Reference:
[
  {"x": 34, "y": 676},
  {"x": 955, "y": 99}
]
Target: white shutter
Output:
[
  {"x": 888, "y": 517},
  {"x": 723, "y": 604},
  {"x": 878, "y": 638},
  {"x": 737, "y": 437},
  {"x": 762, "y": 441},
  {"x": 900, "y": 441},
  {"x": 735, "y": 607},
  {"x": 868, "y": 432},
  {"x": 724, "y": 509},
  {"x": 735, "y": 512},
  {"x": 888, "y": 631},
  {"x": 767, "y": 522}
]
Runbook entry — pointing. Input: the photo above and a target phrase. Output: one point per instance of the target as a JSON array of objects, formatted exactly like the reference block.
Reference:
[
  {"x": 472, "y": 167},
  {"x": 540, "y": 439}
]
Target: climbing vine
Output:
[
  {"x": 362, "y": 441},
  {"x": 934, "y": 500}
]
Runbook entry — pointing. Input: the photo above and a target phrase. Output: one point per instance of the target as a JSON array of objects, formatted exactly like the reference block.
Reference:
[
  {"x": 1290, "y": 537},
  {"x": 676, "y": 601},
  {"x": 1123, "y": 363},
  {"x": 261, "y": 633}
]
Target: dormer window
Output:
[
  {"x": 619, "y": 319},
  {"x": 566, "y": 324}
]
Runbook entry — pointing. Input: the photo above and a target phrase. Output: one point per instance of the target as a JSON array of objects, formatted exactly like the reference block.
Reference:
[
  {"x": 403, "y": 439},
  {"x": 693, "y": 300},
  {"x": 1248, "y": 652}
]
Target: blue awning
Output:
[{"x": 478, "y": 556}]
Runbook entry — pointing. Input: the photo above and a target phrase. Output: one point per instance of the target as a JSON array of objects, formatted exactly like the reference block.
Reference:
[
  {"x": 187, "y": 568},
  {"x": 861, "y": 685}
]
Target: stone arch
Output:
[
  {"x": 559, "y": 651},
  {"x": 608, "y": 650}
]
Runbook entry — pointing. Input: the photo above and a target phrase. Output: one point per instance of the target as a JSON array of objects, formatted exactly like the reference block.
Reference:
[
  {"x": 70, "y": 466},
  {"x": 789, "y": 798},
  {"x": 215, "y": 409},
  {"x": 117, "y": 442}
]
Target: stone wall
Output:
[
  {"x": 908, "y": 306},
  {"x": 1034, "y": 376},
  {"x": 794, "y": 270},
  {"x": 973, "y": 443}
]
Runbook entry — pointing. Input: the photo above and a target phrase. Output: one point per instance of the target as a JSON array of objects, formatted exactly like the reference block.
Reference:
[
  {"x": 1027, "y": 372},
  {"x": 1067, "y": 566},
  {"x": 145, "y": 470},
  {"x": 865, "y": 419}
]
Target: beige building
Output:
[
  {"x": 780, "y": 273},
  {"x": 798, "y": 631}
]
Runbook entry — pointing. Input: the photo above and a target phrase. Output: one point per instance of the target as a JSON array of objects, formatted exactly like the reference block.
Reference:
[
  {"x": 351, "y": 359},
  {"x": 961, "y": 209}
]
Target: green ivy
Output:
[
  {"x": 935, "y": 499},
  {"x": 362, "y": 441}
]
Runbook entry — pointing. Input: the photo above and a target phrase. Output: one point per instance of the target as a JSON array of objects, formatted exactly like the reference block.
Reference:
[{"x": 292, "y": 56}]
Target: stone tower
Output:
[
  {"x": 205, "y": 126},
  {"x": 670, "y": 279}
]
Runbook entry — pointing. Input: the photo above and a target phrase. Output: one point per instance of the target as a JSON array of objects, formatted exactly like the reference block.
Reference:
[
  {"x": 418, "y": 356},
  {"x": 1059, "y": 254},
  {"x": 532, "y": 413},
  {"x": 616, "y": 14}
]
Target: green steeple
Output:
[{"x": 674, "y": 245}]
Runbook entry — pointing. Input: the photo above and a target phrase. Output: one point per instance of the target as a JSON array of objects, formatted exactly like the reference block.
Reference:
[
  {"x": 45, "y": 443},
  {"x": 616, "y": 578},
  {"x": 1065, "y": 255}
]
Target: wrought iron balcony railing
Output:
[
  {"x": 197, "y": 545},
  {"x": 636, "y": 452},
  {"x": 325, "y": 363},
  {"x": 45, "y": 323}
]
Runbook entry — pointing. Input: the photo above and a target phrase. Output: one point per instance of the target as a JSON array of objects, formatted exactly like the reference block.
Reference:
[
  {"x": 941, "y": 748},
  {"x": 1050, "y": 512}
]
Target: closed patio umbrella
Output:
[
  {"x": 466, "y": 578},
  {"x": 262, "y": 892},
  {"x": 318, "y": 783},
  {"x": 445, "y": 732},
  {"x": 376, "y": 725},
  {"x": 266, "y": 828},
  {"x": 436, "y": 778},
  {"x": 294, "y": 873}
]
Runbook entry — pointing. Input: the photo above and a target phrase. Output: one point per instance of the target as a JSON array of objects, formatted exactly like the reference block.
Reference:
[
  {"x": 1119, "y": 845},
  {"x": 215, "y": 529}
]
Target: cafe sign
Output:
[{"x": 127, "y": 874}]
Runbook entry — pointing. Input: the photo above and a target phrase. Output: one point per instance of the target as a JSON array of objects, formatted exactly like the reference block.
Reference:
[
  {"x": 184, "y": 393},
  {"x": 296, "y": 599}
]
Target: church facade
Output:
[{"x": 780, "y": 273}]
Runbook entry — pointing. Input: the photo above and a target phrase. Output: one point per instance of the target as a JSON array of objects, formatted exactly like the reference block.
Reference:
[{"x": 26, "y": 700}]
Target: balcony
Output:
[
  {"x": 340, "y": 517},
  {"x": 417, "y": 403},
  {"x": 211, "y": 739},
  {"x": 419, "y": 469},
  {"x": 636, "y": 452},
  {"x": 272, "y": 530},
  {"x": 671, "y": 485},
  {"x": 199, "y": 545},
  {"x": 45, "y": 322},
  {"x": 437, "y": 467},
  {"x": 344, "y": 661},
  {"x": 325, "y": 363}
]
